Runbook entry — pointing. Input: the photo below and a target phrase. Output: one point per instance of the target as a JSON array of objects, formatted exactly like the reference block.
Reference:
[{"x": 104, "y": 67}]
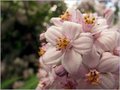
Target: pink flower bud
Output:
[{"x": 60, "y": 71}]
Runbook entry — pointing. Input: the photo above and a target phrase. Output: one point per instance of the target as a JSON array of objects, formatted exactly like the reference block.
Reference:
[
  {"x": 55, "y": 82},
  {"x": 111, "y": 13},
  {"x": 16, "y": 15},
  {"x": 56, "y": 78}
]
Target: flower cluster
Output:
[{"x": 81, "y": 52}]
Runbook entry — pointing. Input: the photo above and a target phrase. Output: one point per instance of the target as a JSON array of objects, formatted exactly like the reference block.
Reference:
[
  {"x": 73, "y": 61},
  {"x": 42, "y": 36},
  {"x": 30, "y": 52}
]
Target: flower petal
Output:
[
  {"x": 100, "y": 25},
  {"x": 71, "y": 30},
  {"x": 107, "y": 81},
  {"x": 117, "y": 79},
  {"x": 107, "y": 41},
  {"x": 83, "y": 70},
  {"x": 71, "y": 61},
  {"x": 109, "y": 15},
  {"x": 75, "y": 15},
  {"x": 52, "y": 34},
  {"x": 56, "y": 21},
  {"x": 92, "y": 58},
  {"x": 52, "y": 56},
  {"x": 109, "y": 63},
  {"x": 42, "y": 73},
  {"x": 83, "y": 44},
  {"x": 43, "y": 65}
]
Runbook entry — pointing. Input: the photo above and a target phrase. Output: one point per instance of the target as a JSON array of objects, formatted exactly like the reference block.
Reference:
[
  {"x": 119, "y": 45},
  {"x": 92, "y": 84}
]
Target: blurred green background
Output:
[{"x": 21, "y": 24}]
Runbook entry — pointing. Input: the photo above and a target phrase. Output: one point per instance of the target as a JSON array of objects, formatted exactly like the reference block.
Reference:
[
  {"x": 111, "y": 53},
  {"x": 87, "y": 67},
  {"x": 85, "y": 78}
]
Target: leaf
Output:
[
  {"x": 8, "y": 82},
  {"x": 30, "y": 83}
]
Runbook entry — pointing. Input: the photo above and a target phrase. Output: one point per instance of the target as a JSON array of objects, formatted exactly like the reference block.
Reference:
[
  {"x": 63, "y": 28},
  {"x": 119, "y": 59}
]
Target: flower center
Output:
[
  {"x": 93, "y": 77},
  {"x": 89, "y": 19},
  {"x": 41, "y": 51},
  {"x": 62, "y": 43},
  {"x": 65, "y": 16}
]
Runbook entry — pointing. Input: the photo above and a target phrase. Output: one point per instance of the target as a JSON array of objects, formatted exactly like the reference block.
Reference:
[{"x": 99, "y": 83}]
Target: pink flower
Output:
[
  {"x": 93, "y": 24},
  {"x": 100, "y": 75},
  {"x": 67, "y": 46},
  {"x": 71, "y": 14}
]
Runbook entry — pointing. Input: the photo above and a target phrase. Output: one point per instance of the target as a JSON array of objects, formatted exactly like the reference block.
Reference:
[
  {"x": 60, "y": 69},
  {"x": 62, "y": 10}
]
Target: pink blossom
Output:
[
  {"x": 107, "y": 66},
  {"x": 76, "y": 43},
  {"x": 71, "y": 14}
]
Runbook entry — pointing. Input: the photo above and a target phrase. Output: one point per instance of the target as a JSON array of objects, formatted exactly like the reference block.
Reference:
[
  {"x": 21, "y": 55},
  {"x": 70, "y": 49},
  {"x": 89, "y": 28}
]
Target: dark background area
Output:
[{"x": 21, "y": 24}]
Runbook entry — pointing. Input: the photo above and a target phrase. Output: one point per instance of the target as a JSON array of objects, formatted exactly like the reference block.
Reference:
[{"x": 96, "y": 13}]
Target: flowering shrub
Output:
[{"x": 81, "y": 52}]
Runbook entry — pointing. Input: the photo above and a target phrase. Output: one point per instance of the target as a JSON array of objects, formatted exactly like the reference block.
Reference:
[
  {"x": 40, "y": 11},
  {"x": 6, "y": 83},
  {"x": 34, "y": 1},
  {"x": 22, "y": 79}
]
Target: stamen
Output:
[
  {"x": 42, "y": 51},
  {"x": 93, "y": 77},
  {"x": 65, "y": 16},
  {"x": 89, "y": 19},
  {"x": 62, "y": 43}
]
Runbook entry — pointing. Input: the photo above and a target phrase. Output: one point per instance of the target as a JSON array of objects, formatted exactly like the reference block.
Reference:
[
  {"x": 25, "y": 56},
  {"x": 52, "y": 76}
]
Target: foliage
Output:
[{"x": 22, "y": 22}]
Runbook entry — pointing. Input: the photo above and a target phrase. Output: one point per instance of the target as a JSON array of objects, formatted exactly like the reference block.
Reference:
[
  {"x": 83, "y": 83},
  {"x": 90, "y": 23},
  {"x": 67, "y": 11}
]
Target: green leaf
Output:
[
  {"x": 30, "y": 83},
  {"x": 8, "y": 82}
]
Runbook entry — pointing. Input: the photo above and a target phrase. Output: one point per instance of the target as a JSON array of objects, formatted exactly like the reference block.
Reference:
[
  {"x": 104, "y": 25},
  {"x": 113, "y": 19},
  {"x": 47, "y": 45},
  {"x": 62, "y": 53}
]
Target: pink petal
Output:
[
  {"x": 92, "y": 58},
  {"x": 42, "y": 73},
  {"x": 71, "y": 30},
  {"x": 116, "y": 80},
  {"x": 75, "y": 15},
  {"x": 56, "y": 21},
  {"x": 52, "y": 34},
  {"x": 83, "y": 43},
  {"x": 109, "y": 15},
  {"x": 42, "y": 36},
  {"x": 83, "y": 70},
  {"x": 107, "y": 40},
  {"x": 99, "y": 26},
  {"x": 52, "y": 56},
  {"x": 109, "y": 63},
  {"x": 43, "y": 65},
  {"x": 107, "y": 81},
  {"x": 71, "y": 61}
]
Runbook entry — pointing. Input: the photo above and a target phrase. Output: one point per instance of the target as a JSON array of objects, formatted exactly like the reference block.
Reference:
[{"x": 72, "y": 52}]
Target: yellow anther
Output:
[
  {"x": 93, "y": 77},
  {"x": 65, "y": 16},
  {"x": 41, "y": 52},
  {"x": 93, "y": 18},
  {"x": 62, "y": 43},
  {"x": 89, "y": 19}
]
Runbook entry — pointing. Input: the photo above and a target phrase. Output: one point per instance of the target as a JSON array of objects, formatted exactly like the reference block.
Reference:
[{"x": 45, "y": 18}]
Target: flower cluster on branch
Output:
[{"x": 81, "y": 52}]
